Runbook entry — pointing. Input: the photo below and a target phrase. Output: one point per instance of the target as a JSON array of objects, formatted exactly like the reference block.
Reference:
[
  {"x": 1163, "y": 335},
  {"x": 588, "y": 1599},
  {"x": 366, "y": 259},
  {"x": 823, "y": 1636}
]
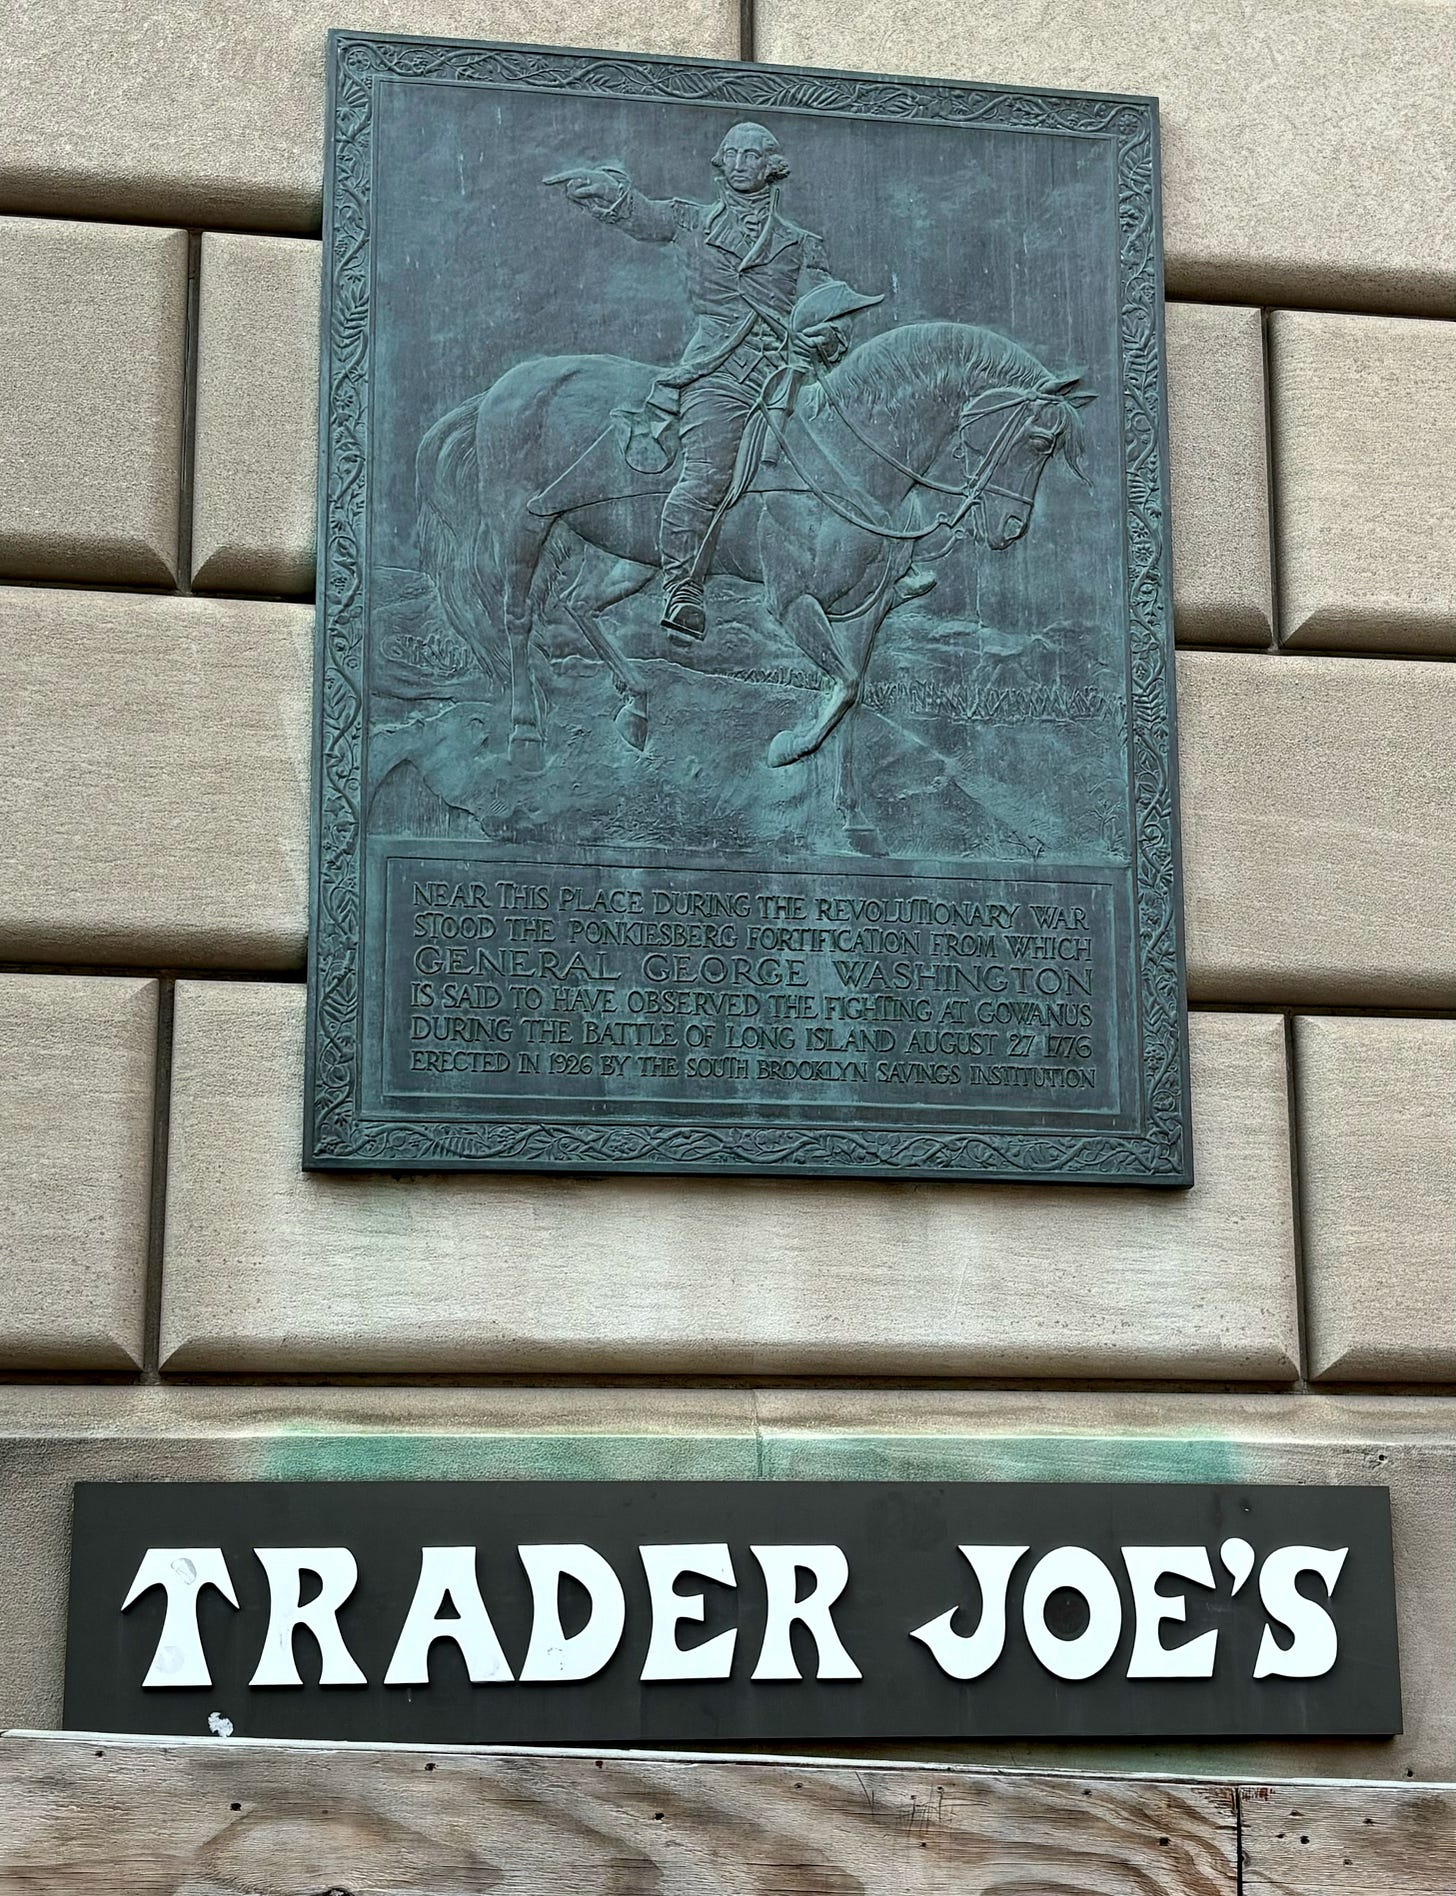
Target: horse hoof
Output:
[
  {"x": 526, "y": 751},
  {"x": 631, "y": 722},
  {"x": 863, "y": 838},
  {"x": 789, "y": 747}
]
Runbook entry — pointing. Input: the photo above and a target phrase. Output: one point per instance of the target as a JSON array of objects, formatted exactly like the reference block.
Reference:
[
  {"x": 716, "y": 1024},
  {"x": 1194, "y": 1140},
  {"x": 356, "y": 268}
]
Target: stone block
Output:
[
  {"x": 77, "y": 1077},
  {"x": 1319, "y": 829},
  {"x": 1377, "y": 1143},
  {"x": 272, "y": 1269},
  {"x": 1308, "y": 153},
  {"x": 1365, "y": 474},
  {"x": 1218, "y": 462},
  {"x": 217, "y": 120},
  {"x": 257, "y": 415},
  {"x": 155, "y": 809},
  {"x": 93, "y": 332},
  {"x": 52, "y": 1437}
]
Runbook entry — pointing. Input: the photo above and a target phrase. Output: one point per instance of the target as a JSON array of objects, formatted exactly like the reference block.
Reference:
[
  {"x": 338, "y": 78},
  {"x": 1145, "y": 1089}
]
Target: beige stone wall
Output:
[{"x": 1293, "y": 1317}]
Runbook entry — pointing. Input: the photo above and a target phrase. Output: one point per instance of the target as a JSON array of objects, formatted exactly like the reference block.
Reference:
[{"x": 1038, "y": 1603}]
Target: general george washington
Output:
[{"x": 746, "y": 266}]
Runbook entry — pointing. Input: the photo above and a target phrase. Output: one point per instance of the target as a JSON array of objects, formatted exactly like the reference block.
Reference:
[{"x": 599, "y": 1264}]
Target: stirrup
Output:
[{"x": 683, "y": 614}]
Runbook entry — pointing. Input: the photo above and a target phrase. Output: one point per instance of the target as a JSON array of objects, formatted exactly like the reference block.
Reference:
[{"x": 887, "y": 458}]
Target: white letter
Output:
[
  {"x": 1090, "y": 1651},
  {"x": 968, "y": 1655},
  {"x": 1151, "y": 1659},
  {"x": 1316, "y": 1643},
  {"x": 184, "y": 1572},
  {"x": 781, "y": 1575},
  {"x": 285, "y": 1567},
  {"x": 448, "y": 1574},
  {"x": 552, "y": 1657},
  {"x": 665, "y": 1658}
]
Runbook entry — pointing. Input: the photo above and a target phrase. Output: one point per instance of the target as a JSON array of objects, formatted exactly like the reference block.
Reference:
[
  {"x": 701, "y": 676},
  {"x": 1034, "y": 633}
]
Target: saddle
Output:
[{"x": 637, "y": 453}]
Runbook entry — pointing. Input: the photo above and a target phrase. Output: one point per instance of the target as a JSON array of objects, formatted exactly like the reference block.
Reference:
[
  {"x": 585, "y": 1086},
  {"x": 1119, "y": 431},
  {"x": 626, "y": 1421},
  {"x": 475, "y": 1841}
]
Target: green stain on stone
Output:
[
  {"x": 306, "y": 1456},
  {"x": 1199, "y": 1458}
]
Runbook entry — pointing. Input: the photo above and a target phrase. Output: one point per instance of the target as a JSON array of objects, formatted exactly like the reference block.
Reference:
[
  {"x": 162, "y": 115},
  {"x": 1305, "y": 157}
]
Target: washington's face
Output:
[{"x": 745, "y": 166}]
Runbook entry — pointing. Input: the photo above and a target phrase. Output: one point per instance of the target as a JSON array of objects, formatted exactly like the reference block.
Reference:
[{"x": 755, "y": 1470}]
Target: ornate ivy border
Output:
[{"x": 336, "y": 1134}]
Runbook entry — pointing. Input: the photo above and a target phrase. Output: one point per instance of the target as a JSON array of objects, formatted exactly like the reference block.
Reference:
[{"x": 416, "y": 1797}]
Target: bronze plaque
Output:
[{"x": 745, "y": 702}]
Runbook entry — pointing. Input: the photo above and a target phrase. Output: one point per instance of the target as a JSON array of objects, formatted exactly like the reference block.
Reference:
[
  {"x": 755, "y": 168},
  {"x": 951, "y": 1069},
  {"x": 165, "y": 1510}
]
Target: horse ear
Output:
[{"x": 1066, "y": 388}]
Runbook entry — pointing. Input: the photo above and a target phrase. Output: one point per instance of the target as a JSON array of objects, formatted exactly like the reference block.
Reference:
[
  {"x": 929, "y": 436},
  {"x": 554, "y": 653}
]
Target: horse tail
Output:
[{"x": 449, "y": 525}]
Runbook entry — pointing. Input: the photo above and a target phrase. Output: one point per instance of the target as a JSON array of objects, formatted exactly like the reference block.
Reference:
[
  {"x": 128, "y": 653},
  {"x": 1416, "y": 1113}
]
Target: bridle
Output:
[
  {"x": 969, "y": 494},
  {"x": 1013, "y": 400}
]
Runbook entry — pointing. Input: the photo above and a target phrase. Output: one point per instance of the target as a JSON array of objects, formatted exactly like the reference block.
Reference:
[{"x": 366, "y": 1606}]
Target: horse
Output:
[{"x": 919, "y": 435}]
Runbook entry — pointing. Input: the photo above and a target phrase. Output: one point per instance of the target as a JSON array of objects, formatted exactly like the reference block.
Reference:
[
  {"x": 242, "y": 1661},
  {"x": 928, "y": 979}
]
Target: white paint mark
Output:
[
  {"x": 183, "y": 1573},
  {"x": 219, "y": 1726}
]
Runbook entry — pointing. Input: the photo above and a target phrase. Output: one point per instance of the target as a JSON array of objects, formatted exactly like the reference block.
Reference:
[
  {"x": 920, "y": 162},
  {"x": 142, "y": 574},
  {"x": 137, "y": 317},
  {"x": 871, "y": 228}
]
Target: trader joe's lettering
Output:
[{"x": 588, "y": 1612}]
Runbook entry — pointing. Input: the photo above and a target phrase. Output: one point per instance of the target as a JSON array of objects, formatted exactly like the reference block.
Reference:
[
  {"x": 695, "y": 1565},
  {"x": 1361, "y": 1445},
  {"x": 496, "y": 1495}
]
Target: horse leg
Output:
[
  {"x": 517, "y": 565},
  {"x": 624, "y": 578},
  {"x": 860, "y": 828},
  {"x": 808, "y": 624}
]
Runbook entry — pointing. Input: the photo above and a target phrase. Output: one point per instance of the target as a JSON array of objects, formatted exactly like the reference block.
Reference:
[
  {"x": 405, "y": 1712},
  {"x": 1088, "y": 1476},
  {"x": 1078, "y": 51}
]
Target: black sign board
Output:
[
  {"x": 744, "y": 701},
  {"x": 678, "y": 1612}
]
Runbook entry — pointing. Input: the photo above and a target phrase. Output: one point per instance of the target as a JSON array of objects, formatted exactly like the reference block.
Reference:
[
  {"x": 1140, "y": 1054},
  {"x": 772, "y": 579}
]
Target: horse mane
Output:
[{"x": 940, "y": 357}]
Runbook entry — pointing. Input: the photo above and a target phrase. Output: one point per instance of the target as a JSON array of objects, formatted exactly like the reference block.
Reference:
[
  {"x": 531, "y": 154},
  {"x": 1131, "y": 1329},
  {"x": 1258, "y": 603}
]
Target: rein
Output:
[{"x": 977, "y": 483}]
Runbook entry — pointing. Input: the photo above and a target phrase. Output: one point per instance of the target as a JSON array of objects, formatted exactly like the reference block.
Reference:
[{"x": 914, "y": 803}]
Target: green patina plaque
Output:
[{"x": 744, "y": 717}]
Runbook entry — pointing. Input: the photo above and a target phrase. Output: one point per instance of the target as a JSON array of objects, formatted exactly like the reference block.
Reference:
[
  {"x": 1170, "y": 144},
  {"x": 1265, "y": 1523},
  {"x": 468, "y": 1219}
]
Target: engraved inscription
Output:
[{"x": 804, "y": 989}]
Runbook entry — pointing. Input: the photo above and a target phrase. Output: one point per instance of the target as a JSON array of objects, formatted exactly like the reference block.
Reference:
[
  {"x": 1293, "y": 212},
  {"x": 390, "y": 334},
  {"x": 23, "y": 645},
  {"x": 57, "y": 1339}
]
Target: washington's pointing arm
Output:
[{"x": 608, "y": 193}]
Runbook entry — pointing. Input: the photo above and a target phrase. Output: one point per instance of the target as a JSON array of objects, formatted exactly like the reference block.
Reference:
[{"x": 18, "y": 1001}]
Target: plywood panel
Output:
[
  {"x": 162, "y": 1819},
  {"x": 1324, "y": 1840}
]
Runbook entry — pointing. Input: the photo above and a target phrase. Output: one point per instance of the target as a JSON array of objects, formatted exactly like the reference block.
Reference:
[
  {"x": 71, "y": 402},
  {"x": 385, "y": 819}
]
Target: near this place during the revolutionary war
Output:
[{"x": 745, "y": 725}]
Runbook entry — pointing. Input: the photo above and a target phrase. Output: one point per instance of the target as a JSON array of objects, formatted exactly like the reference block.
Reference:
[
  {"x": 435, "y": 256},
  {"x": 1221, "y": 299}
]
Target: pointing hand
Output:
[{"x": 596, "y": 188}]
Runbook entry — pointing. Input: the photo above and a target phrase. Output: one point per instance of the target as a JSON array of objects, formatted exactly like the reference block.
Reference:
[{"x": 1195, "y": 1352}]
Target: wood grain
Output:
[
  {"x": 1349, "y": 1840},
  {"x": 183, "y": 1818}
]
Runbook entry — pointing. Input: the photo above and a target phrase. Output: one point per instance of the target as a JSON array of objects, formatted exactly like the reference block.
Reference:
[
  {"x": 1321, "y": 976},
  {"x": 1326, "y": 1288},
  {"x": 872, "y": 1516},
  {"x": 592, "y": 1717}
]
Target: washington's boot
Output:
[
  {"x": 682, "y": 609},
  {"x": 913, "y": 584}
]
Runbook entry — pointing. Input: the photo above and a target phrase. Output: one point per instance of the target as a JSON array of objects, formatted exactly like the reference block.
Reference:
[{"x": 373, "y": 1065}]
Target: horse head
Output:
[{"x": 1007, "y": 436}]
